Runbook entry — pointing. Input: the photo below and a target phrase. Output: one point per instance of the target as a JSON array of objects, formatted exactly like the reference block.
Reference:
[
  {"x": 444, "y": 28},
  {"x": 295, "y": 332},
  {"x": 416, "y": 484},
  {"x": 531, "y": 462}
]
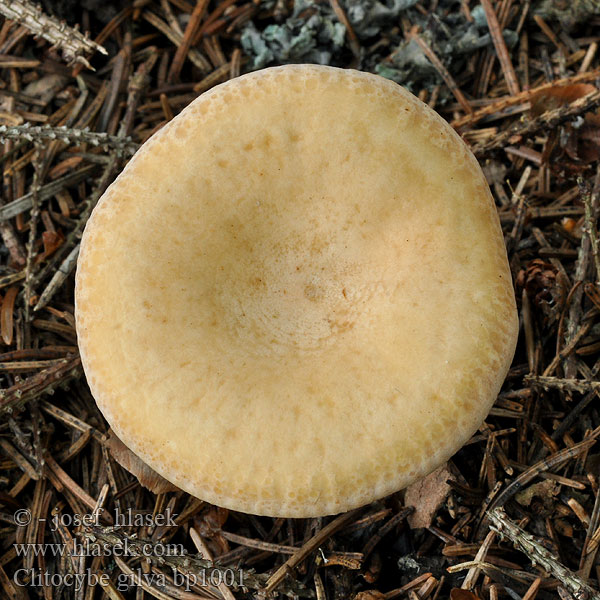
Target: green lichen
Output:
[{"x": 312, "y": 33}]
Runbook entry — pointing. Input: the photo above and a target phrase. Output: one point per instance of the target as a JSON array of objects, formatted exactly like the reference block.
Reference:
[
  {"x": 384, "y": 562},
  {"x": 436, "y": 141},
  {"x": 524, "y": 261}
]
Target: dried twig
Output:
[
  {"x": 73, "y": 44},
  {"x": 539, "y": 555},
  {"x": 520, "y": 98},
  {"x": 177, "y": 38},
  {"x": 47, "y": 191},
  {"x": 188, "y": 37},
  {"x": 59, "y": 277},
  {"x": 590, "y": 202},
  {"x": 501, "y": 50},
  {"x": 44, "y": 382},
  {"x": 122, "y": 146},
  {"x": 277, "y": 578},
  {"x": 109, "y": 537},
  {"x": 343, "y": 19},
  {"x": 566, "y": 385},
  {"x": 551, "y": 462},
  {"x": 437, "y": 63},
  {"x": 546, "y": 121}
]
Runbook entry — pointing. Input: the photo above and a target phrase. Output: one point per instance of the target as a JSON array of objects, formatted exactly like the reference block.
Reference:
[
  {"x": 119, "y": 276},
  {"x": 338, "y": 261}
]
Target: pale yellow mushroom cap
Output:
[{"x": 295, "y": 299}]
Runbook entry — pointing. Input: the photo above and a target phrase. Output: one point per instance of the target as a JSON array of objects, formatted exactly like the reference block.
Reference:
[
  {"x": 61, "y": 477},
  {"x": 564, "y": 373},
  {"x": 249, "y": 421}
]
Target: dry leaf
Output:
[
  {"x": 147, "y": 477},
  {"x": 558, "y": 96},
  {"x": 52, "y": 241},
  {"x": 563, "y": 527},
  {"x": 427, "y": 496},
  {"x": 545, "y": 287},
  {"x": 592, "y": 462},
  {"x": 460, "y": 594},
  {"x": 373, "y": 570},
  {"x": 6, "y": 315},
  {"x": 588, "y": 149},
  {"x": 544, "y": 490},
  {"x": 579, "y": 140},
  {"x": 212, "y": 520},
  {"x": 370, "y": 595},
  {"x": 208, "y": 524}
]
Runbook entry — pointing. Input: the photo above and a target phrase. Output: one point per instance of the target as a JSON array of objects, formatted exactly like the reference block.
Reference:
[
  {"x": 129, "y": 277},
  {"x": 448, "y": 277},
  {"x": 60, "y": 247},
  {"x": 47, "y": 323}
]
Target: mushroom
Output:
[{"x": 295, "y": 299}]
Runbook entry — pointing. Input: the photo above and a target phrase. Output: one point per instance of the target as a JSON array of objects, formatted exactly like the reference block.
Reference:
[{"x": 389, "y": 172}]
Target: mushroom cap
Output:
[{"x": 295, "y": 299}]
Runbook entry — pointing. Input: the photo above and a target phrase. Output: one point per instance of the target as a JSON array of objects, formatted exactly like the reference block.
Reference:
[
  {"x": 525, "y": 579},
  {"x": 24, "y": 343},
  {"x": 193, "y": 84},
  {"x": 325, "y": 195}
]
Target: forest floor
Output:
[{"x": 515, "y": 513}]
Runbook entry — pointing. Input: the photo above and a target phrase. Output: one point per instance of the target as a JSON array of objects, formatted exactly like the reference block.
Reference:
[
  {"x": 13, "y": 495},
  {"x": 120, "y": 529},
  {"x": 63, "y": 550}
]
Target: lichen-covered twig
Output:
[
  {"x": 539, "y": 555},
  {"x": 73, "y": 44},
  {"x": 202, "y": 570},
  {"x": 574, "y": 315},
  {"x": 33, "y": 222},
  {"x": 44, "y": 382},
  {"x": 565, "y": 385},
  {"x": 122, "y": 146},
  {"x": 499, "y": 498},
  {"x": 590, "y": 201},
  {"x": 547, "y": 120}
]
